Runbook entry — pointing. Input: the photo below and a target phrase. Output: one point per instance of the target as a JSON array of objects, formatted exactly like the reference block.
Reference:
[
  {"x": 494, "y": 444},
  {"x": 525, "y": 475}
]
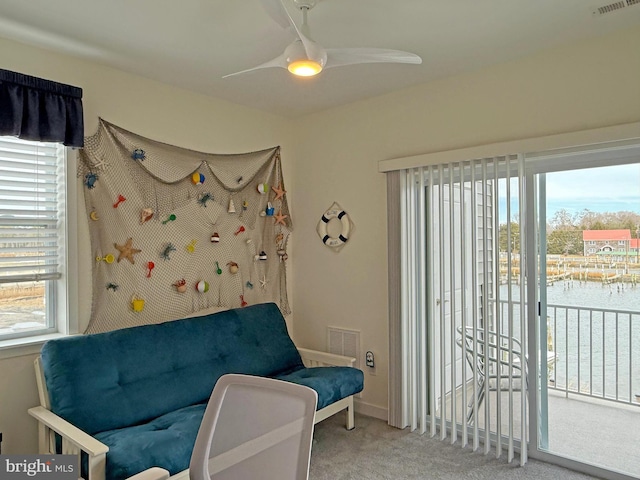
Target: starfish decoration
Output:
[
  {"x": 279, "y": 192},
  {"x": 280, "y": 218},
  {"x": 101, "y": 164},
  {"x": 127, "y": 251},
  {"x": 263, "y": 282}
]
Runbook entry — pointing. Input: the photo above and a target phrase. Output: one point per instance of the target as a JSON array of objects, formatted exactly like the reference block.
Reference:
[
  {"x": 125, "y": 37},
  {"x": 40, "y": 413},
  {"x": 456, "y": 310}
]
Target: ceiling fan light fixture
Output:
[
  {"x": 305, "y": 58},
  {"x": 304, "y": 68}
]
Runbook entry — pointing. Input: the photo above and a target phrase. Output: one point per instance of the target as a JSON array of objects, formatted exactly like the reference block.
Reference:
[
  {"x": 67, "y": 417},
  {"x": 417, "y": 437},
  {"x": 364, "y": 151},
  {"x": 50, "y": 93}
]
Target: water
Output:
[
  {"x": 587, "y": 294},
  {"x": 615, "y": 296},
  {"x": 598, "y": 351}
]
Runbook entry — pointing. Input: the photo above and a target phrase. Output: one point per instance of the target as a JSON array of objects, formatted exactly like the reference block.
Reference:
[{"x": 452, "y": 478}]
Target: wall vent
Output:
[
  {"x": 344, "y": 342},
  {"x": 615, "y": 6}
]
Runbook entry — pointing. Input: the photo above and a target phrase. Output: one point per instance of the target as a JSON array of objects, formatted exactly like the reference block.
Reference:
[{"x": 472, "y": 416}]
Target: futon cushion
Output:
[
  {"x": 331, "y": 383},
  {"x": 127, "y": 377},
  {"x": 166, "y": 441}
]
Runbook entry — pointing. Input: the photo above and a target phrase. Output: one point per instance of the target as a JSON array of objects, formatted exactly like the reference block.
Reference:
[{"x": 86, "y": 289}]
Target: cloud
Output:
[
  {"x": 618, "y": 184},
  {"x": 604, "y": 189}
]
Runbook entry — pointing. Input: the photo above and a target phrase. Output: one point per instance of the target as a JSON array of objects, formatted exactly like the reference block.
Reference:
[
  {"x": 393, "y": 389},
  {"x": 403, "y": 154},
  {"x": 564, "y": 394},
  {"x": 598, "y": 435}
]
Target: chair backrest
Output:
[
  {"x": 490, "y": 350},
  {"x": 255, "y": 427}
]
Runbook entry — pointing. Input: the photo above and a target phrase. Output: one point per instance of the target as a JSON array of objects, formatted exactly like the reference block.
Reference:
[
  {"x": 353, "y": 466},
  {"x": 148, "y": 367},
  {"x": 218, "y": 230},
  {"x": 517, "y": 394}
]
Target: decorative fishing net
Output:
[{"x": 211, "y": 225}]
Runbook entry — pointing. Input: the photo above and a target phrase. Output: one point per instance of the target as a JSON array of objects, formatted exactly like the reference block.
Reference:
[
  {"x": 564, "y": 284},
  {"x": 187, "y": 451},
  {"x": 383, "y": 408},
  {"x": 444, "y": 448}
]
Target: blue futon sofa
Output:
[{"x": 131, "y": 399}]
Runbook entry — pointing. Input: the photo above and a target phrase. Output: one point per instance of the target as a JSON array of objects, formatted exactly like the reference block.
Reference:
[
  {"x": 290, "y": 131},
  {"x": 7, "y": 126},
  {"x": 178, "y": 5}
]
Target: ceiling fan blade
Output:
[
  {"x": 311, "y": 48},
  {"x": 277, "y": 12},
  {"x": 337, "y": 57},
  {"x": 279, "y": 61}
]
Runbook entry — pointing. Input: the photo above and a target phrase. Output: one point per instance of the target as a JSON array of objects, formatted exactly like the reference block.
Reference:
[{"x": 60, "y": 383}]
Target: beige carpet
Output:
[{"x": 375, "y": 451}]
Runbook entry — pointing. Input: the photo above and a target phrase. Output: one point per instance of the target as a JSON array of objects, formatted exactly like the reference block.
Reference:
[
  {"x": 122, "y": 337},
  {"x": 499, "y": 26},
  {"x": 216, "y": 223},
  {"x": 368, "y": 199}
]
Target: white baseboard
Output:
[{"x": 370, "y": 410}]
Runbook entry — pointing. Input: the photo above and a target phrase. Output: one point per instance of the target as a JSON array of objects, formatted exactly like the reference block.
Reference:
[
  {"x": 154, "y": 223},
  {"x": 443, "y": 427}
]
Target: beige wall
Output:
[
  {"x": 578, "y": 87},
  {"x": 151, "y": 109},
  {"x": 332, "y": 156}
]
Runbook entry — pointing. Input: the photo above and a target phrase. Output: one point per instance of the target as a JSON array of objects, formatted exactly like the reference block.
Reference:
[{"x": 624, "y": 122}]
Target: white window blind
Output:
[
  {"x": 31, "y": 185},
  {"x": 461, "y": 332}
]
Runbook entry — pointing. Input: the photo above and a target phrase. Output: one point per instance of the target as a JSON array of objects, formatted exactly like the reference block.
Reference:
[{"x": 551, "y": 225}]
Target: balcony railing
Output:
[{"x": 597, "y": 352}]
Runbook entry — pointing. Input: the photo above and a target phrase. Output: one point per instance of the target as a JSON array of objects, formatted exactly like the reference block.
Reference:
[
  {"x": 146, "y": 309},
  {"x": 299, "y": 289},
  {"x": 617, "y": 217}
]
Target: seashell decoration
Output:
[{"x": 145, "y": 215}]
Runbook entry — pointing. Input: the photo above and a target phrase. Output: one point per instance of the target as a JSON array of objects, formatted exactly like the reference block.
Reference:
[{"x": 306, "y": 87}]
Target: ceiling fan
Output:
[{"x": 304, "y": 57}]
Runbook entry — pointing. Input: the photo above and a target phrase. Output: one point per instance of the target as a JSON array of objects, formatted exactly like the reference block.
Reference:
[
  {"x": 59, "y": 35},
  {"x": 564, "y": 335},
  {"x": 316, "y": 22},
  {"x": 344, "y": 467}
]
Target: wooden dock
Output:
[
  {"x": 551, "y": 279},
  {"x": 613, "y": 278}
]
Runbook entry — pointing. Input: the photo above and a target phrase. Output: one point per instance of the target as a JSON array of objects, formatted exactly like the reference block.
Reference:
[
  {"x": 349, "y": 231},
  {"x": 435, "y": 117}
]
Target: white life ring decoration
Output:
[{"x": 337, "y": 242}]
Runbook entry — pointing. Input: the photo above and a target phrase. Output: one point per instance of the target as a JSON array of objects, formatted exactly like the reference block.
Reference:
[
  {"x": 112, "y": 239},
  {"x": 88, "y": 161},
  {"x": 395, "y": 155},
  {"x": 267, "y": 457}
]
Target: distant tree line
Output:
[{"x": 564, "y": 230}]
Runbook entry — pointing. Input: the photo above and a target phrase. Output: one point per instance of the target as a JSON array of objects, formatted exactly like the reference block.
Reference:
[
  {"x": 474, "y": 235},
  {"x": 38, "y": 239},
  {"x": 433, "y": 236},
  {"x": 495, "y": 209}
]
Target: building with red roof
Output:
[{"x": 616, "y": 243}]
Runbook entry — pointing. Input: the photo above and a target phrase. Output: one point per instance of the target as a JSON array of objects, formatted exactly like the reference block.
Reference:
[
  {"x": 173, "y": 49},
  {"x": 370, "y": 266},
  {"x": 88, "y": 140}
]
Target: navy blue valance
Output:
[{"x": 35, "y": 109}]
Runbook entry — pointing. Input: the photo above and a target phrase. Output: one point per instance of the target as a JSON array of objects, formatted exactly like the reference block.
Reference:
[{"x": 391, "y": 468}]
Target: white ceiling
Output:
[{"x": 193, "y": 43}]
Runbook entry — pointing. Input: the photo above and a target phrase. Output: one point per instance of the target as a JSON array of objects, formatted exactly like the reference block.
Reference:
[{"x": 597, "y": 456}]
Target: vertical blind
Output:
[
  {"x": 31, "y": 176},
  {"x": 462, "y": 335}
]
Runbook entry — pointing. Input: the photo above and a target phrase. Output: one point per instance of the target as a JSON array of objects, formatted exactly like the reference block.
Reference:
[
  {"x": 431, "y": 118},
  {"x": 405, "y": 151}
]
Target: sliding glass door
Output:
[
  {"x": 588, "y": 335},
  {"x": 518, "y": 327}
]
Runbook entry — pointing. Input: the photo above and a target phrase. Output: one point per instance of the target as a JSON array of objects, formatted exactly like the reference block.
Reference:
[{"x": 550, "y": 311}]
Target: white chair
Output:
[
  {"x": 253, "y": 427},
  {"x": 495, "y": 356},
  {"x": 490, "y": 356},
  {"x": 154, "y": 473}
]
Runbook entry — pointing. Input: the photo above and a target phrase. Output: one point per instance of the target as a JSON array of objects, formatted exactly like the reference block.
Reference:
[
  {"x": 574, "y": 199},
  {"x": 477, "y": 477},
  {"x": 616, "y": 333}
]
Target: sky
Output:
[{"x": 604, "y": 189}]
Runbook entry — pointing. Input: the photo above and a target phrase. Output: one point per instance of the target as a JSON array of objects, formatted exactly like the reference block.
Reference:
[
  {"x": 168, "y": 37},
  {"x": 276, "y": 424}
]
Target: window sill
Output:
[{"x": 18, "y": 347}]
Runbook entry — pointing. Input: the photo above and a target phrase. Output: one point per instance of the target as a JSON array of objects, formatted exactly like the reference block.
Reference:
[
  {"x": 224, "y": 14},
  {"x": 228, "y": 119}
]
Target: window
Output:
[
  {"x": 32, "y": 238},
  {"x": 621, "y": 242}
]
